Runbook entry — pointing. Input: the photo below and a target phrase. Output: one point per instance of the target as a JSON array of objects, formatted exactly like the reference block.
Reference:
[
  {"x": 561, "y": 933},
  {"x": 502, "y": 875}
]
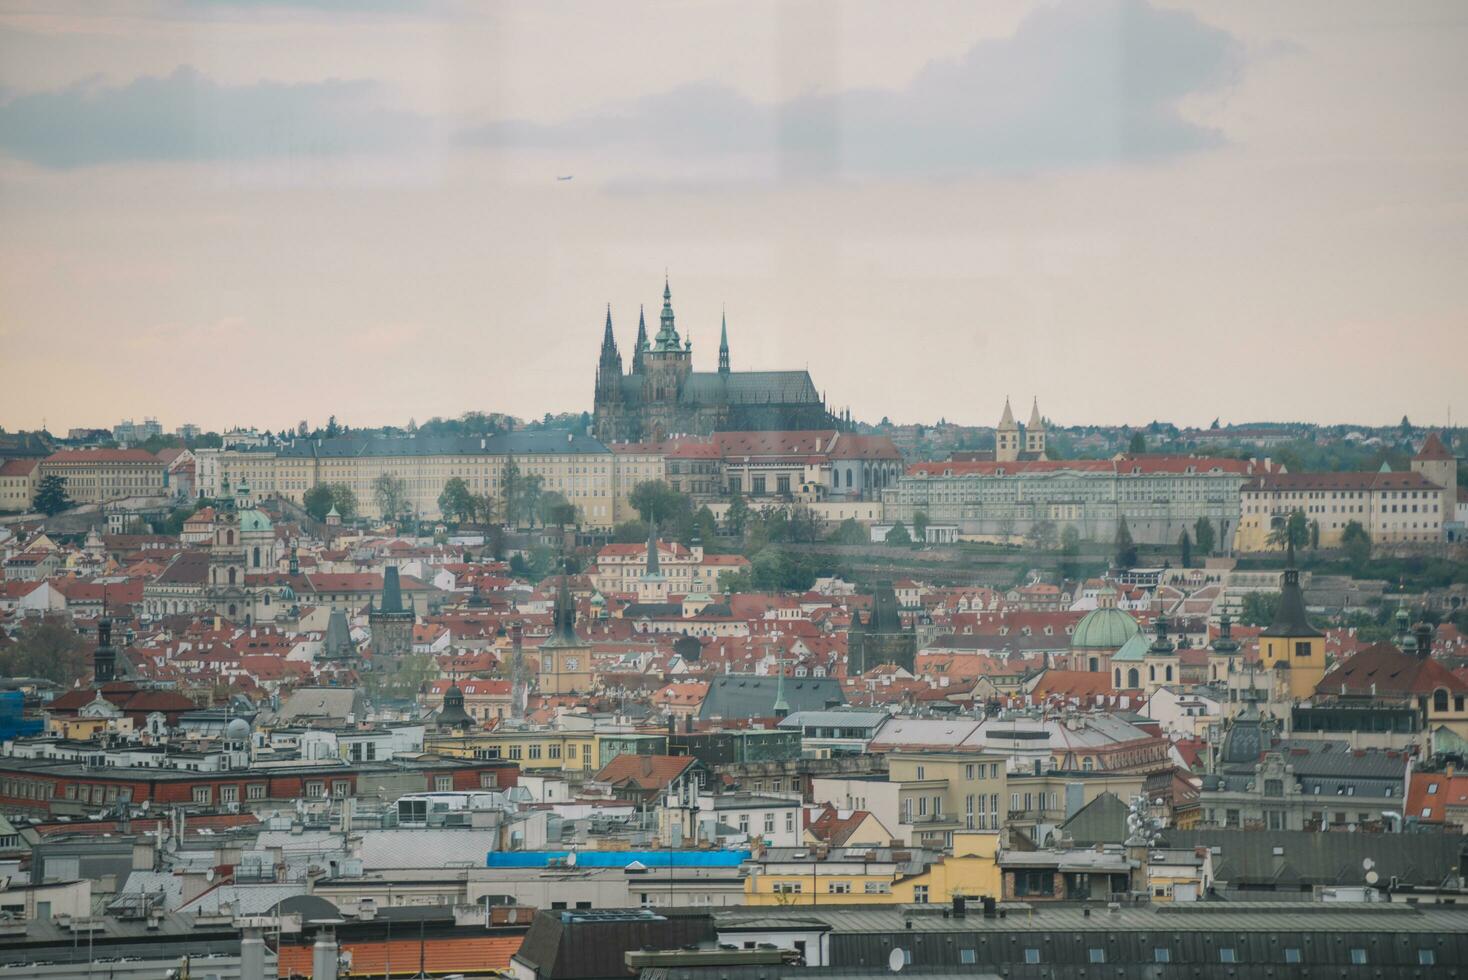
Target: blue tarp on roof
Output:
[{"x": 618, "y": 859}]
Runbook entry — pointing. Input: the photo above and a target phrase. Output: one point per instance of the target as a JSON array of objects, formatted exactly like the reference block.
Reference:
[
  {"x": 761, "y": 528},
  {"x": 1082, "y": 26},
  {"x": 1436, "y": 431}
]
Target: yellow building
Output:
[
  {"x": 873, "y": 876},
  {"x": 944, "y": 793},
  {"x": 1393, "y": 508},
  {"x": 534, "y": 750},
  {"x": 1290, "y": 648},
  {"x": 18, "y": 479},
  {"x": 564, "y": 658},
  {"x": 591, "y": 478},
  {"x": 95, "y": 475}
]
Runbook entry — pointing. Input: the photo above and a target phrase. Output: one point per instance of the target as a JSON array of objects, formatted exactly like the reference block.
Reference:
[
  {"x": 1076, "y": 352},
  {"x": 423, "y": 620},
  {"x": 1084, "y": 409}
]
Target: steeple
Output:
[
  {"x": 652, "y": 549},
  {"x": 1161, "y": 645},
  {"x": 609, "y": 366},
  {"x": 104, "y": 658},
  {"x": 1034, "y": 422},
  {"x": 641, "y": 340},
  {"x": 1006, "y": 421},
  {"x": 667, "y": 339},
  {"x": 1006, "y": 436},
  {"x": 724, "y": 344},
  {"x": 563, "y": 615},
  {"x": 1290, "y": 619},
  {"x": 392, "y": 591},
  {"x": 1035, "y": 432}
]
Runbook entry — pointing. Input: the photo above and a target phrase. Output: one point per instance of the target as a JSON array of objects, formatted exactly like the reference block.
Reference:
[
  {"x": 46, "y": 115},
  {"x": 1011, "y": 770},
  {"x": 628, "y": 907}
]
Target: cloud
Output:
[
  {"x": 188, "y": 116},
  {"x": 1080, "y": 83}
]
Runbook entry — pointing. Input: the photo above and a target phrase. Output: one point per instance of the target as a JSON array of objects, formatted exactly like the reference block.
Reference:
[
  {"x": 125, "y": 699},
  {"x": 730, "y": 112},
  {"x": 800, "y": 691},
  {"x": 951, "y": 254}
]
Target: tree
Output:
[
  {"x": 318, "y": 501},
  {"x": 850, "y": 532},
  {"x": 51, "y": 497},
  {"x": 531, "y": 489},
  {"x": 391, "y": 494},
  {"x": 556, "y": 509},
  {"x": 1126, "y": 548},
  {"x": 1138, "y": 444},
  {"x": 511, "y": 492},
  {"x": 736, "y": 519},
  {"x": 655, "y": 500},
  {"x": 1314, "y": 535},
  {"x": 630, "y": 532},
  {"x": 920, "y": 527},
  {"x": 1203, "y": 535},
  {"x": 805, "y": 526},
  {"x": 332, "y": 428},
  {"x": 457, "y": 500},
  {"x": 1259, "y": 608},
  {"x": 1185, "y": 544},
  {"x": 1041, "y": 535},
  {"x": 48, "y": 648},
  {"x": 344, "y": 498},
  {"x": 1070, "y": 550},
  {"x": 898, "y": 536},
  {"x": 485, "y": 508},
  {"x": 704, "y": 524},
  {"x": 1356, "y": 543},
  {"x": 1294, "y": 530}
]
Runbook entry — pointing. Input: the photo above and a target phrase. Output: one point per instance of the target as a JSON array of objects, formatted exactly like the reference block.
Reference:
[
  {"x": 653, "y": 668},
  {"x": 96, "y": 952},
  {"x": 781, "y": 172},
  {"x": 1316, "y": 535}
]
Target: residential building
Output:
[
  {"x": 1393, "y": 508},
  {"x": 18, "y": 480},
  {"x": 97, "y": 475}
]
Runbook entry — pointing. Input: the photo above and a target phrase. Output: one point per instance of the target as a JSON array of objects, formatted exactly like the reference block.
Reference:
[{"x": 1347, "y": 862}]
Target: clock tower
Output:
[{"x": 565, "y": 659}]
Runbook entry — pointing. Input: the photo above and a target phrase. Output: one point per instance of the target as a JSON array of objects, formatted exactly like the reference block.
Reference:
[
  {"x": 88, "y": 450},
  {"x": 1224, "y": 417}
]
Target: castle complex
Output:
[{"x": 663, "y": 396}]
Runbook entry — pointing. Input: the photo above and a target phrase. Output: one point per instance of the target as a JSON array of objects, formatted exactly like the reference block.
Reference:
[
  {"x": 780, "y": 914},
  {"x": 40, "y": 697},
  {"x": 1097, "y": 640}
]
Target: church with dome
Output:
[
  {"x": 1100, "y": 634},
  {"x": 662, "y": 396}
]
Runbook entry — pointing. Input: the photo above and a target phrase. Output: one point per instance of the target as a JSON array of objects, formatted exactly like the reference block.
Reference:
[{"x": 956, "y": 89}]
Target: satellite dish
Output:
[
  {"x": 571, "y": 860},
  {"x": 895, "y": 960},
  {"x": 1372, "y": 877},
  {"x": 1368, "y": 864}
]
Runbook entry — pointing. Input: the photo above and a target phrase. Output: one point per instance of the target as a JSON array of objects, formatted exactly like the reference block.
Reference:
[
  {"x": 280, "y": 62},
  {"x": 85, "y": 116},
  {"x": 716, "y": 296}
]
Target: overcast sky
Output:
[{"x": 256, "y": 213}]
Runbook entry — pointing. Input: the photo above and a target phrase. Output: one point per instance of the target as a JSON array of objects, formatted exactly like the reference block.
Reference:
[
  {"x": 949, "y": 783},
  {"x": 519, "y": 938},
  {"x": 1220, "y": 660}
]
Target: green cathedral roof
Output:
[{"x": 1104, "y": 629}]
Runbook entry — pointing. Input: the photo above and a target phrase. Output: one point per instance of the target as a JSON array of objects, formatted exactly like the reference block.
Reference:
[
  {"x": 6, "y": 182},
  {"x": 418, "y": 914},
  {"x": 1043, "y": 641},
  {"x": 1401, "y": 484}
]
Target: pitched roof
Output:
[
  {"x": 1433, "y": 448},
  {"x": 1384, "y": 671},
  {"x": 70, "y": 456},
  {"x": 644, "y": 771}
]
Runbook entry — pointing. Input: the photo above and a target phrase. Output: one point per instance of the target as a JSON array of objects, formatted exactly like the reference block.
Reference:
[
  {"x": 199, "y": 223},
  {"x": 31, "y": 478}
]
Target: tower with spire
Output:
[
  {"x": 1035, "y": 432},
  {"x": 391, "y": 623},
  {"x": 1006, "y": 436},
  {"x": 724, "y": 344},
  {"x": 565, "y": 659},
  {"x": 609, "y": 367},
  {"x": 1289, "y": 646}
]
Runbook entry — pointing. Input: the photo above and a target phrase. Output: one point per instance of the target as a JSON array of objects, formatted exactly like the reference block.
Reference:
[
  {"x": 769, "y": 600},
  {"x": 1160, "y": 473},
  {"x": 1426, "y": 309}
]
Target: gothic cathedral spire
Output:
[
  {"x": 724, "y": 344},
  {"x": 641, "y": 341}
]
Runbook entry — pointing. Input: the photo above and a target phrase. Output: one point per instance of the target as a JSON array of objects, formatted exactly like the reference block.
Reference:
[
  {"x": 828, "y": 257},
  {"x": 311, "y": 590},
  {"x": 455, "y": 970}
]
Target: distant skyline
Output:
[{"x": 234, "y": 212}]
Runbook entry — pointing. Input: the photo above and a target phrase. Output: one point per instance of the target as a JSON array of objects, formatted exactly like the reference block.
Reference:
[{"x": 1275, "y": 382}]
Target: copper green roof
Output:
[{"x": 1104, "y": 629}]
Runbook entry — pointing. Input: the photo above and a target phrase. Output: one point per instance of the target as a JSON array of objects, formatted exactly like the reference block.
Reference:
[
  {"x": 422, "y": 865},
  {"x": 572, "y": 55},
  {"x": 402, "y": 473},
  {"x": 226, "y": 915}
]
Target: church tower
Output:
[
  {"x": 637, "y": 351},
  {"x": 1035, "y": 432},
  {"x": 1006, "y": 437},
  {"x": 391, "y": 624},
  {"x": 104, "y": 658},
  {"x": 1290, "y": 647},
  {"x": 609, "y": 366},
  {"x": 565, "y": 661},
  {"x": 724, "y": 345}
]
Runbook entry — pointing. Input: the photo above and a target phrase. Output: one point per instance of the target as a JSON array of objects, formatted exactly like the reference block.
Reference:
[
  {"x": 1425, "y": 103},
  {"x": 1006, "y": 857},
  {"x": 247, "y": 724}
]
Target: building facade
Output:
[
  {"x": 97, "y": 475},
  {"x": 1393, "y": 508},
  {"x": 1159, "y": 496}
]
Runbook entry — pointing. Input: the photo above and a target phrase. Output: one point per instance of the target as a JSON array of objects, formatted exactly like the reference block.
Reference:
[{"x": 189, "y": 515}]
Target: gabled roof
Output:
[
  {"x": 1382, "y": 670},
  {"x": 1433, "y": 448},
  {"x": 645, "y": 771}
]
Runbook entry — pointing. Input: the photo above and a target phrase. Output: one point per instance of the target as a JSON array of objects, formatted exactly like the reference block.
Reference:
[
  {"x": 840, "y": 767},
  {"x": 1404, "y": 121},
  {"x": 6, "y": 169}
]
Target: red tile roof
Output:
[
  {"x": 1433, "y": 448},
  {"x": 1382, "y": 670},
  {"x": 85, "y": 456},
  {"x": 644, "y": 771},
  {"x": 1428, "y": 807},
  {"x": 1339, "y": 481}
]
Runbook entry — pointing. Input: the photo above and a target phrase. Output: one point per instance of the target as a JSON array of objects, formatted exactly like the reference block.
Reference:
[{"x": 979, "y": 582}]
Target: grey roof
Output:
[
  {"x": 849, "y": 718},
  {"x": 1102, "y": 821},
  {"x": 752, "y": 696},
  {"x": 1247, "y": 857},
  {"x": 545, "y": 442},
  {"x": 323, "y": 702},
  {"x": 749, "y": 388}
]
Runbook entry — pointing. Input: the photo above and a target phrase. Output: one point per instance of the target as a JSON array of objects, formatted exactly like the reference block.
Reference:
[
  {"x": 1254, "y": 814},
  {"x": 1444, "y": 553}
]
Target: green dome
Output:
[
  {"x": 253, "y": 520},
  {"x": 1104, "y": 629},
  {"x": 1133, "y": 650}
]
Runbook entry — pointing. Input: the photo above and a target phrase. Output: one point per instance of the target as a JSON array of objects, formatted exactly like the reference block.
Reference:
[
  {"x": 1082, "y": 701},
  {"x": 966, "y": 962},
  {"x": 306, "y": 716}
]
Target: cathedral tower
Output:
[
  {"x": 1290, "y": 646},
  {"x": 1035, "y": 432},
  {"x": 1006, "y": 437}
]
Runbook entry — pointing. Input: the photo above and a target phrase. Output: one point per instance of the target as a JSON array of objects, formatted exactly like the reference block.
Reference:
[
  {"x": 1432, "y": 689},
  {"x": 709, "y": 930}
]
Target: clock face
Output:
[{"x": 572, "y": 663}]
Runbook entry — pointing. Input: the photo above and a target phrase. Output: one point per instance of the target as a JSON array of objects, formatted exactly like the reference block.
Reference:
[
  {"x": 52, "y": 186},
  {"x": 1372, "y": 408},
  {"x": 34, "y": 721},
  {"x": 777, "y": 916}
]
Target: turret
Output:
[
  {"x": 667, "y": 338},
  {"x": 724, "y": 345},
  {"x": 1035, "y": 432},
  {"x": 1006, "y": 436},
  {"x": 637, "y": 362}
]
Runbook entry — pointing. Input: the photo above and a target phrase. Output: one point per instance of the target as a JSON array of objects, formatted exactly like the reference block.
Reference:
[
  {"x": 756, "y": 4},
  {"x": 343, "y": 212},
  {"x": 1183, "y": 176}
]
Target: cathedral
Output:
[{"x": 663, "y": 396}]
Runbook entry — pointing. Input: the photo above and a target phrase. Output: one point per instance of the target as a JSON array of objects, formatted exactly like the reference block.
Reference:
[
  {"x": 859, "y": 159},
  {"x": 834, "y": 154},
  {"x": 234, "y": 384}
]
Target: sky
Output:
[{"x": 228, "y": 212}]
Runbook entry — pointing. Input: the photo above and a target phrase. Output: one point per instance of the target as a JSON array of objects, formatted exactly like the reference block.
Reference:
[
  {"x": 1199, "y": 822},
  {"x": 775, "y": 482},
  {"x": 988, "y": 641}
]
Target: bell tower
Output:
[{"x": 1290, "y": 646}]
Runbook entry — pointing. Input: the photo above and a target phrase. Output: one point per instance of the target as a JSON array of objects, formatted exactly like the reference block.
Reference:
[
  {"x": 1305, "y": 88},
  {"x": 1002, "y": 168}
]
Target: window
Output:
[
  {"x": 787, "y": 888},
  {"x": 515, "y": 752},
  {"x": 744, "y": 823},
  {"x": 341, "y": 788},
  {"x": 554, "y": 751},
  {"x": 1032, "y": 955},
  {"x": 790, "y": 823},
  {"x": 1227, "y": 955},
  {"x": 966, "y": 955},
  {"x": 229, "y": 794},
  {"x": 535, "y": 751},
  {"x": 1358, "y": 956},
  {"x": 255, "y": 791},
  {"x": 203, "y": 794},
  {"x": 920, "y": 894},
  {"x": 1292, "y": 954},
  {"x": 921, "y": 772},
  {"x": 839, "y": 888},
  {"x": 1161, "y": 955},
  {"x": 769, "y": 823},
  {"x": 315, "y": 790},
  {"x": 1097, "y": 955},
  {"x": 1426, "y": 957},
  {"x": 443, "y": 784}
]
